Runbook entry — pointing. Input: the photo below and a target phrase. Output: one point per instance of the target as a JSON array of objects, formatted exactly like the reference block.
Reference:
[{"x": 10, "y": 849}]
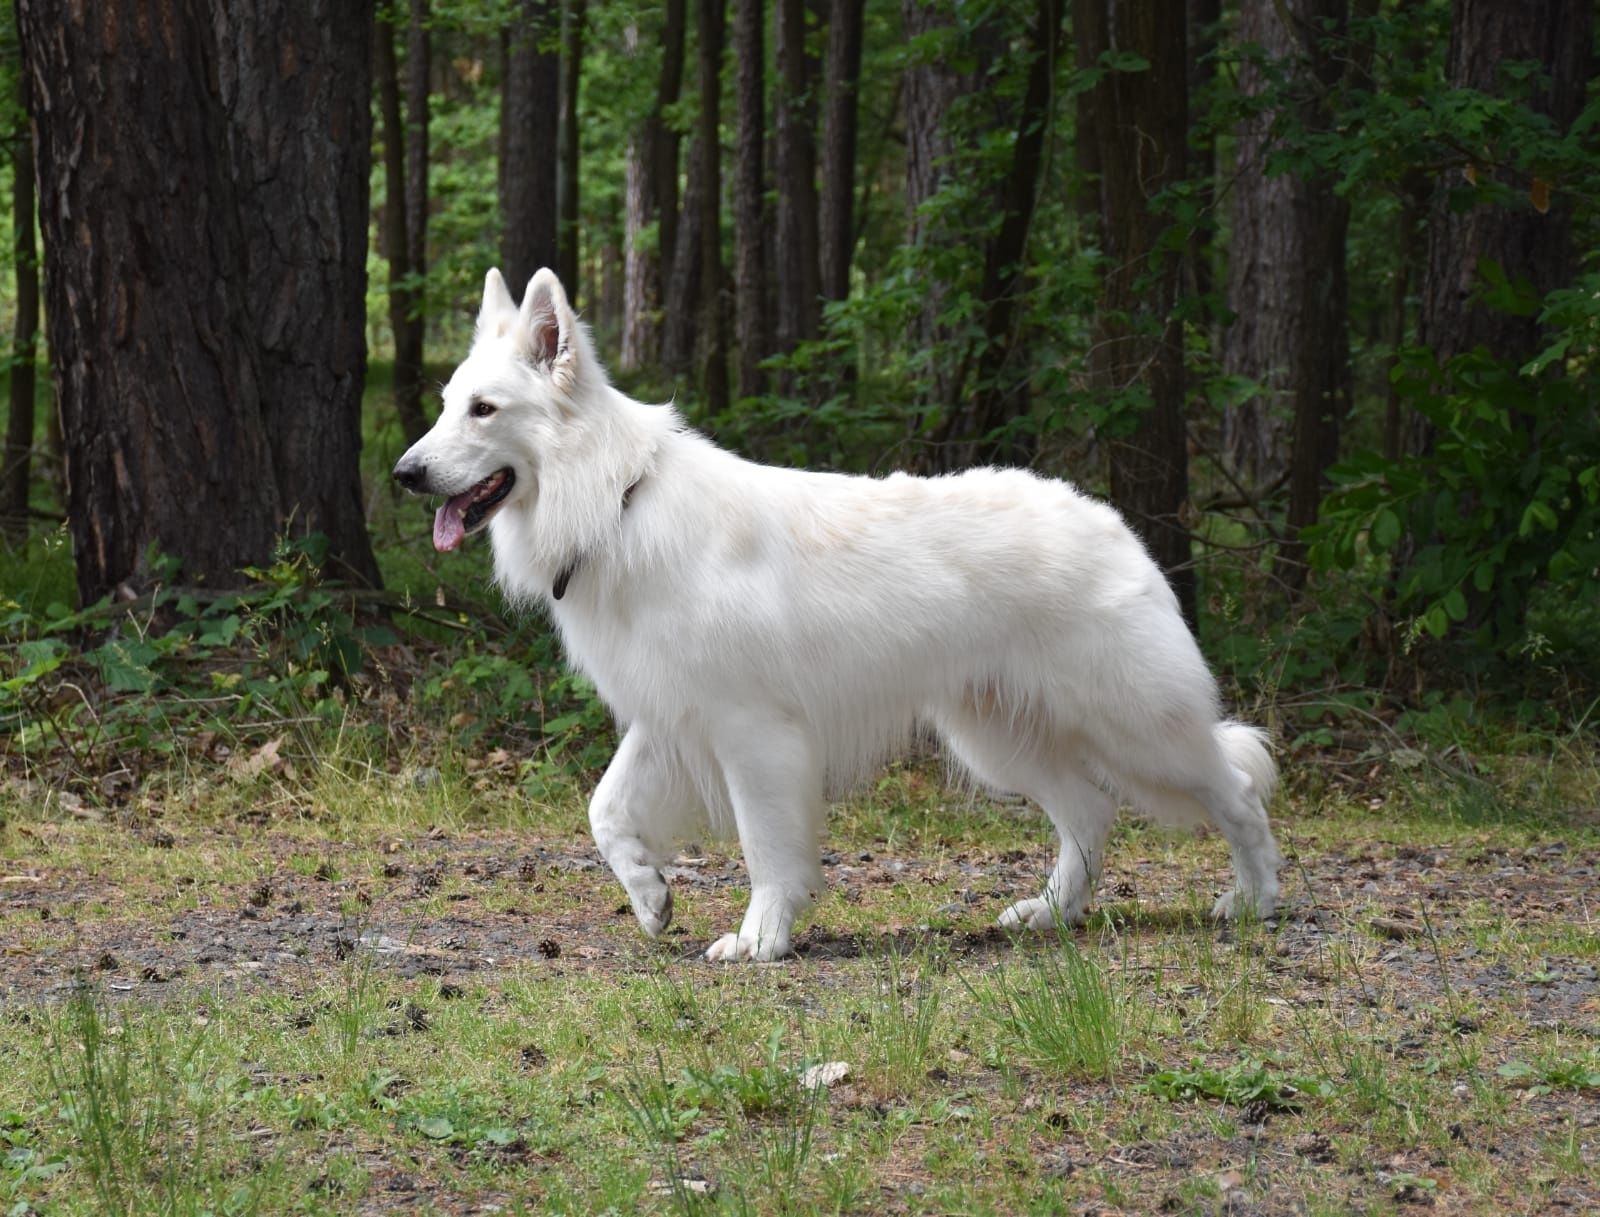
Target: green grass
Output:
[{"x": 1151, "y": 1061}]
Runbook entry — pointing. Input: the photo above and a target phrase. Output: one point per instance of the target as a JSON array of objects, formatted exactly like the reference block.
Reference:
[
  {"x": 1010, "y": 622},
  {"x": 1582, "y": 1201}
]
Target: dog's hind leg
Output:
[
  {"x": 1003, "y": 753},
  {"x": 637, "y": 811},
  {"x": 774, "y": 780},
  {"x": 1225, "y": 776}
]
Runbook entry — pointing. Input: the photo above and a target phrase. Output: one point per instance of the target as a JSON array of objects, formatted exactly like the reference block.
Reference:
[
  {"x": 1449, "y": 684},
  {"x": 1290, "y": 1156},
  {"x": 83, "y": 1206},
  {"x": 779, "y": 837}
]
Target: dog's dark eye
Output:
[{"x": 482, "y": 409}]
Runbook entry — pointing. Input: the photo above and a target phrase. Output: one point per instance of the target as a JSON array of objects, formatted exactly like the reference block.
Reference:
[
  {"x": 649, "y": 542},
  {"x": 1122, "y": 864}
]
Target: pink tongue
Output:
[{"x": 449, "y": 529}]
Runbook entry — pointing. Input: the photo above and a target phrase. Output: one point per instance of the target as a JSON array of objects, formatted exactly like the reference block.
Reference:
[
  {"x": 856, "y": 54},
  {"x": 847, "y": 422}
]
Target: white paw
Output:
[
  {"x": 1232, "y": 905},
  {"x": 652, "y": 905},
  {"x": 1038, "y": 914},
  {"x": 732, "y": 948}
]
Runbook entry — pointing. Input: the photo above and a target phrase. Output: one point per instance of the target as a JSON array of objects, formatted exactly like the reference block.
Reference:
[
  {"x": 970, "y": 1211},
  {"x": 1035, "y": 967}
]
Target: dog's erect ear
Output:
[
  {"x": 498, "y": 309},
  {"x": 545, "y": 323}
]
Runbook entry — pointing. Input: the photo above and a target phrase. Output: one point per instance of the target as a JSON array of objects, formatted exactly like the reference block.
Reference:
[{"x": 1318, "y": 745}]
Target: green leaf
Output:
[
  {"x": 1537, "y": 515},
  {"x": 438, "y": 1128},
  {"x": 1455, "y": 604},
  {"x": 125, "y": 666},
  {"x": 1385, "y": 530}
]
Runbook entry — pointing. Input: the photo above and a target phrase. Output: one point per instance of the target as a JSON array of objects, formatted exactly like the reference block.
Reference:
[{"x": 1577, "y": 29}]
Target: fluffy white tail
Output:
[{"x": 1246, "y": 749}]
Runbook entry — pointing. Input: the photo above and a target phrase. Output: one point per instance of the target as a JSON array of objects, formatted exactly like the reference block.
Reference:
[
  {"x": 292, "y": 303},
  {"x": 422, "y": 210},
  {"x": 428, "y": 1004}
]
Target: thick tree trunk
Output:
[
  {"x": 836, "y": 236},
  {"x": 652, "y": 198},
  {"x": 405, "y": 314},
  {"x": 529, "y": 110},
  {"x": 148, "y": 292},
  {"x": 714, "y": 377},
  {"x": 794, "y": 175},
  {"x": 25, "y": 333},
  {"x": 567, "y": 235},
  {"x": 1288, "y": 284},
  {"x": 1141, "y": 122},
  {"x": 303, "y": 202},
  {"x": 1485, "y": 35},
  {"x": 749, "y": 198},
  {"x": 1263, "y": 265}
]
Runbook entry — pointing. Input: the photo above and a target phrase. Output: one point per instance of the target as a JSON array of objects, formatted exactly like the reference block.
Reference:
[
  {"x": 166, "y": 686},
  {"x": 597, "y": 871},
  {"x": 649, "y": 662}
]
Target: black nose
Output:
[{"x": 413, "y": 475}]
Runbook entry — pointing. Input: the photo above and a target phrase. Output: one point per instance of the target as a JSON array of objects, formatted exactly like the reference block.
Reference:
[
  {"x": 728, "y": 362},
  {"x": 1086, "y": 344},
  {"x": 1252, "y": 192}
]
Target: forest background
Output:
[{"x": 1306, "y": 287}]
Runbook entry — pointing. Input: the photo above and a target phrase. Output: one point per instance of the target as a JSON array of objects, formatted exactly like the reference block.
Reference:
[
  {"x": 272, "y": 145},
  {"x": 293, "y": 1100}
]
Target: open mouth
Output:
[{"x": 468, "y": 511}]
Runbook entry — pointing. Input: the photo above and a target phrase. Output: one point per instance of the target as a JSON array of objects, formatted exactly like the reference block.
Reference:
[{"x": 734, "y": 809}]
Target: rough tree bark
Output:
[
  {"x": 752, "y": 331},
  {"x": 1141, "y": 121},
  {"x": 25, "y": 332},
  {"x": 794, "y": 175},
  {"x": 714, "y": 374},
  {"x": 652, "y": 198},
  {"x": 201, "y": 412},
  {"x": 836, "y": 234},
  {"x": 529, "y": 110},
  {"x": 1262, "y": 267},
  {"x": 1485, "y": 35},
  {"x": 680, "y": 319},
  {"x": 1288, "y": 286},
  {"x": 303, "y": 199},
  {"x": 567, "y": 158}
]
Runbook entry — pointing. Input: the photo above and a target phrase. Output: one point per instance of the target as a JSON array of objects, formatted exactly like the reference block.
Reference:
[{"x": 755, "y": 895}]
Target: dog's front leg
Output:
[
  {"x": 636, "y": 811},
  {"x": 774, "y": 780}
]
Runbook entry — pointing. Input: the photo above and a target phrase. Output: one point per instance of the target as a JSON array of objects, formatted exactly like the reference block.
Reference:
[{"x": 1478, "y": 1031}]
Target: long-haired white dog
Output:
[{"x": 766, "y": 636}]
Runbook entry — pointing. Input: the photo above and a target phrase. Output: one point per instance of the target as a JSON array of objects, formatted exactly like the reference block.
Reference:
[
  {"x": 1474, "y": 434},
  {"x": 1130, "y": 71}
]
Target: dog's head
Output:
[{"x": 503, "y": 409}]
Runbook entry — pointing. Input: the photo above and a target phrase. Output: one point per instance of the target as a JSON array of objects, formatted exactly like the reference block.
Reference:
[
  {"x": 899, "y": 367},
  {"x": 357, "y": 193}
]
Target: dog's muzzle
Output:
[{"x": 413, "y": 475}]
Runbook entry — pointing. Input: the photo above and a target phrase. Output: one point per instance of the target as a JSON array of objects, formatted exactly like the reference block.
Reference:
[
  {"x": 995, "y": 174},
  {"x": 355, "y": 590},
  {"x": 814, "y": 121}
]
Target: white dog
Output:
[{"x": 767, "y": 636}]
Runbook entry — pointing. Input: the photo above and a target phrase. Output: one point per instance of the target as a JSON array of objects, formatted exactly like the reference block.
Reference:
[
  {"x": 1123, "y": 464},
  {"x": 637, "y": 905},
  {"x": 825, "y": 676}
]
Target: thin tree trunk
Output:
[
  {"x": 836, "y": 236},
  {"x": 25, "y": 333},
  {"x": 1204, "y": 18},
  {"x": 1000, "y": 391},
  {"x": 681, "y": 315},
  {"x": 932, "y": 86},
  {"x": 400, "y": 213},
  {"x": 749, "y": 198},
  {"x": 528, "y": 136},
  {"x": 794, "y": 174},
  {"x": 1090, "y": 40},
  {"x": 651, "y": 189},
  {"x": 1141, "y": 123},
  {"x": 568, "y": 159},
  {"x": 409, "y": 372},
  {"x": 714, "y": 380},
  {"x": 668, "y": 144}
]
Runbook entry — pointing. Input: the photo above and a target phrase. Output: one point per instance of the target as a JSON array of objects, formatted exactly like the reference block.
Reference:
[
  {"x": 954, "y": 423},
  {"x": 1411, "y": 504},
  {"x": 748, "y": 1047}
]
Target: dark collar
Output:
[{"x": 559, "y": 588}]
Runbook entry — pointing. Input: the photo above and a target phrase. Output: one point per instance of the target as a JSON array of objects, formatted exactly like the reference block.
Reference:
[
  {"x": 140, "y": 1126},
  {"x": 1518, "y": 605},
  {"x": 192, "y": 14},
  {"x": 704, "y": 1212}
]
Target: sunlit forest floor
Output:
[{"x": 265, "y": 989}]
